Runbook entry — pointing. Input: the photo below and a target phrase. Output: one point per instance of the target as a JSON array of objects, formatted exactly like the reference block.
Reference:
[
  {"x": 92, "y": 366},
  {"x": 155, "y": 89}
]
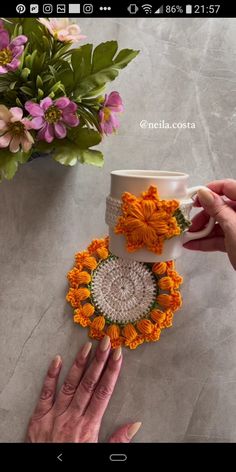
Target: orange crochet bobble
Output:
[
  {"x": 97, "y": 327},
  {"x": 114, "y": 332},
  {"x": 166, "y": 283},
  {"x": 149, "y": 330},
  {"x": 77, "y": 277},
  {"x": 159, "y": 268},
  {"x": 158, "y": 316},
  {"x": 132, "y": 338},
  {"x": 173, "y": 301},
  {"x": 88, "y": 309},
  {"x": 102, "y": 253},
  {"x": 84, "y": 259},
  {"x": 76, "y": 295}
]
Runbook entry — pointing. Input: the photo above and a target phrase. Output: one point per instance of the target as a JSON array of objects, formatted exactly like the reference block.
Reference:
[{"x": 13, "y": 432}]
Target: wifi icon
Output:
[{"x": 147, "y": 8}]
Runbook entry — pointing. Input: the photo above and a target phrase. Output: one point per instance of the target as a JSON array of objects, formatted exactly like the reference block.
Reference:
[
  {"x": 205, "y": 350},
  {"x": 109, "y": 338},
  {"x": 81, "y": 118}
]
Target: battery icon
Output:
[{"x": 188, "y": 9}]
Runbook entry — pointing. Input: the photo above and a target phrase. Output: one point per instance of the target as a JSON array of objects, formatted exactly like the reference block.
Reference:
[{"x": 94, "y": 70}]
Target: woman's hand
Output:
[
  {"x": 75, "y": 414},
  {"x": 220, "y": 203}
]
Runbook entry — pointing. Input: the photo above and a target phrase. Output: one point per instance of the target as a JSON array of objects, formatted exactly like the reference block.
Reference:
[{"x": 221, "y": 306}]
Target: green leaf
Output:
[
  {"x": 124, "y": 57},
  {"x": 39, "y": 82},
  {"x": 92, "y": 157},
  {"x": 27, "y": 91},
  {"x": 81, "y": 61},
  {"x": 25, "y": 73},
  {"x": 103, "y": 55},
  {"x": 8, "y": 165},
  {"x": 75, "y": 148},
  {"x": 67, "y": 154},
  {"x": 104, "y": 67},
  {"x": 9, "y": 162},
  {"x": 84, "y": 137}
]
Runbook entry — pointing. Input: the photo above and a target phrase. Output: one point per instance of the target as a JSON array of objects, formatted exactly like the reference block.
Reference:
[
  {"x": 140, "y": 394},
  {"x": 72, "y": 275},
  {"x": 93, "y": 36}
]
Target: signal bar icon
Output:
[{"x": 159, "y": 11}]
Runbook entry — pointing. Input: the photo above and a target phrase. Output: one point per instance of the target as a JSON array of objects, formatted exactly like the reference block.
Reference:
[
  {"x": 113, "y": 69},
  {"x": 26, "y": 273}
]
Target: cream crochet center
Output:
[{"x": 123, "y": 291}]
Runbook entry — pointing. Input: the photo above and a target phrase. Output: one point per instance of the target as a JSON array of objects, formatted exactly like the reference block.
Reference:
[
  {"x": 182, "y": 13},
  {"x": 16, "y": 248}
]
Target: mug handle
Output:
[{"x": 189, "y": 236}]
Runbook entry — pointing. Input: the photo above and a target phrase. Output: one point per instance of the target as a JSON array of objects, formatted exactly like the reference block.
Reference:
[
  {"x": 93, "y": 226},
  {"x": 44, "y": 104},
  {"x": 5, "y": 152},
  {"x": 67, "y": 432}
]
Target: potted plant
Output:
[{"x": 52, "y": 93}]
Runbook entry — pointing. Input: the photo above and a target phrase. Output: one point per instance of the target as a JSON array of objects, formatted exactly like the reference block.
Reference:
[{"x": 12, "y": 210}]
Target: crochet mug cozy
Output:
[
  {"x": 148, "y": 214},
  {"x": 130, "y": 301}
]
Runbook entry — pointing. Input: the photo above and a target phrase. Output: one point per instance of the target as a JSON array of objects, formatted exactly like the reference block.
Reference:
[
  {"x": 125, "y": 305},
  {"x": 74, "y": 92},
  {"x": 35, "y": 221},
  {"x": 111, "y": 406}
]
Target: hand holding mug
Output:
[{"x": 219, "y": 203}]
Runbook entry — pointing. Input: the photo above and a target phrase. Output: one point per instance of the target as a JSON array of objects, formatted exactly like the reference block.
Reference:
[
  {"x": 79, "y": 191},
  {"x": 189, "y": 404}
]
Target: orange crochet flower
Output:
[
  {"x": 82, "y": 314},
  {"x": 150, "y": 331},
  {"x": 99, "y": 247},
  {"x": 132, "y": 338},
  {"x": 85, "y": 260},
  {"x": 77, "y": 277},
  {"x": 173, "y": 301},
  {"x": 114, "y": 332},
  {"x": 97, "y": 327},
  {"x": 76, "y": 295},
  {"x": 147, "y": 221}
]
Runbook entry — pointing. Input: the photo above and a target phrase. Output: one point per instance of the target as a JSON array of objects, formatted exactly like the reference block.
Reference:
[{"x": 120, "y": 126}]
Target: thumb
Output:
[
  {"x": 215, "y": 206},
  {"x": 125, "y": 433}
]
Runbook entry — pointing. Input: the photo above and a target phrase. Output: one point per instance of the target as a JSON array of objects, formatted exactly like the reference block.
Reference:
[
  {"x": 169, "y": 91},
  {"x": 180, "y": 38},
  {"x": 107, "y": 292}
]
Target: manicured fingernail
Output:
[
  {"x": 133, "y": 429},
  {"x": 206, "y": 197},
  {"x": 86, "y": 350},
  {"x": 56, "y": 362},
  {"x": 105, "y": 343},
  {"x": 117, "y": 354}
]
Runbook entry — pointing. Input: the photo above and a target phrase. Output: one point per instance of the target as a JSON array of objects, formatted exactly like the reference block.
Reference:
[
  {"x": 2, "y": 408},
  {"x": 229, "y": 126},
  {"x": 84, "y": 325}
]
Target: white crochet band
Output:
[
  {"x": 114, "y": 210},
  {"x": 123, "y": 291}
]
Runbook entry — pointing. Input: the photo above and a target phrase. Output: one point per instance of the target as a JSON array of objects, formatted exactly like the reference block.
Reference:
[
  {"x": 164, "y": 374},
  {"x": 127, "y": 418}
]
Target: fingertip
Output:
[
  {"x": 57, "y": 362},
  {"x": 133, "y": 429},
  {"x": 117, "y": 354}
]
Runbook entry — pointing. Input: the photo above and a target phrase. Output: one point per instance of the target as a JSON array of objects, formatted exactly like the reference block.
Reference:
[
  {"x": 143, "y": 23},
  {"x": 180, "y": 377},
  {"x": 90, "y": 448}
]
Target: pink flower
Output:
[
  {"x": 52, "y": 117},
  {"x": 10, "y": 51},
  {"x": 108, "y": 113},
  {"x": 14, "y": 130},
  {"x": 62, "y": 29}
]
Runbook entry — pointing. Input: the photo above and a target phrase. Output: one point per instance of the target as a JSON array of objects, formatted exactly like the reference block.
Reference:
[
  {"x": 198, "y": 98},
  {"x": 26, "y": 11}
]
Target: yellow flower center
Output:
[
  {"x": 107, "y": 113},
  {"x": 17, "y": 128},
  {"x": 52, "y": 114},
  {"x": 6, "y": 56}
]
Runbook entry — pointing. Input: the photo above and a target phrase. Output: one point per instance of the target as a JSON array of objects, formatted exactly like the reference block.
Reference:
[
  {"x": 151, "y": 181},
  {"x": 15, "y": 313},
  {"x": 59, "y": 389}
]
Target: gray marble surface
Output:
[{"x": 184, "y": 387}]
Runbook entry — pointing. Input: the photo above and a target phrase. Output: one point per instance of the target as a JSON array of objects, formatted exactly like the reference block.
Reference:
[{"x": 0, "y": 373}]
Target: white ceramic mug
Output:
[{"x": 170, "y": 185}]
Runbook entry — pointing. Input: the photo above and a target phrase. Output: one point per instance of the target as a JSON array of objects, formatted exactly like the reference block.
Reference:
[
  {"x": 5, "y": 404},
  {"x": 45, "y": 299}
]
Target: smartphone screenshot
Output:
[{"x": 117, "y": 231}]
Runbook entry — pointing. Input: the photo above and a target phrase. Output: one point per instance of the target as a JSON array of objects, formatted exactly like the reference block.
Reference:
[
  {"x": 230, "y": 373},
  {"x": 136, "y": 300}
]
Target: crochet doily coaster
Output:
[{"x": 129, "y": 301}]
